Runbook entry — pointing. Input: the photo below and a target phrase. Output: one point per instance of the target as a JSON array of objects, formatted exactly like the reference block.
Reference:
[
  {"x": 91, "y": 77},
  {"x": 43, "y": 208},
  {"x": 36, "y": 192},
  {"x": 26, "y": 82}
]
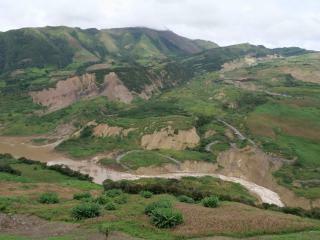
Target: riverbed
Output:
[{"x": 23, "y": 147}]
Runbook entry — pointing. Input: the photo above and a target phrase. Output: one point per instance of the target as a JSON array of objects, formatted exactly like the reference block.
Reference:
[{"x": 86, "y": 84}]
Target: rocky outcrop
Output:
[
  {"x": 75, "y": 88},
  {"x": 148, "y": 90},
  {"x": 114, "y": 89},
  {"x": 167, "y": 138},
  {"x": 104, "y": 130},
  {"x": 66, "y": 92},
  {"x": 209, "y": 133}
]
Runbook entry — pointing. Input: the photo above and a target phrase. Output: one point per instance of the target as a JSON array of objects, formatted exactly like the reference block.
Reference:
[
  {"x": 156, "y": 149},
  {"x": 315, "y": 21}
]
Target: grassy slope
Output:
[{"x": 23, "y": 191}]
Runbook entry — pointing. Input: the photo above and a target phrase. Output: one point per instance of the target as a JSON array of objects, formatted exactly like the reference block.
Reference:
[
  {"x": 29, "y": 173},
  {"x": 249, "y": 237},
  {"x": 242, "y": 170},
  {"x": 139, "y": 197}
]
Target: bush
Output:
[
  {"x": 146, "y": 194},
  {"x": 186, "y": 199},
  {"x": 102, "y": 199},
  {"x": 65, "y": 170},
  {"x": 113, "y": 192},
  {"x": 8, "y": 169},
  {"x": 122, "y": 199},
  {"x": 83, "y": 195},
  {"x": 49, "y": 198},
  {"x": 166, "y": 217},
  {"x": 86, "y": 210},
  {"x": 163, "y": 203},
  {"x": 110, "y": 206},
  {"x": 211, "y": 202}
]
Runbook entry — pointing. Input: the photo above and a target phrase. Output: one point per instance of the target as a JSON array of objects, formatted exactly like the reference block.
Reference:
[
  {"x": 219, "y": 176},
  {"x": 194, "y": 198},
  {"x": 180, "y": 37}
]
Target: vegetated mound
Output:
[{"x": 168, "y": 138}]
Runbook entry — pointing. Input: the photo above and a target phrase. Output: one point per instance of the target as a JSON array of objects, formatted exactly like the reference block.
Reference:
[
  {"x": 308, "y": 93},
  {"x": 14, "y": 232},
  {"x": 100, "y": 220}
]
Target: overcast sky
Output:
[{"x": 273, "y": 23}]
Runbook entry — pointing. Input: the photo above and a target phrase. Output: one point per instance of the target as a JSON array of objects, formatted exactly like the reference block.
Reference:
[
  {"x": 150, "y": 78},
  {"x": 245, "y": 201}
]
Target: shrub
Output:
[
  {"x": 163, "y": 203},
  {"x": 146, "y": 194},
  {"x": 86, "y": 210},
  {"x": 65, "y": 170},
  {"x": 102, "y": 199},
  {"x": 122, "y": 199},
  {"x": 8, "y": 169},
  {"x": 113, "y": 192},
  {"x": 83, "y": 195},
  {"x": 49, "y": 198},
  {"x": 211, "y": 202},
  {"x": 110, "y": 206},
  {"x": 186, "y": 199},
  {"x": 166, "y": 217}
]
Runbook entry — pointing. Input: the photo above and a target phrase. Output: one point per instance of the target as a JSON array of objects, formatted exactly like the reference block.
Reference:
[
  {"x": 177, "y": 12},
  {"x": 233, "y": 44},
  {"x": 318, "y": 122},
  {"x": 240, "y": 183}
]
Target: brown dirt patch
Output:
[
  {"x": 34, "y": 189},
  {"x": 235, "y": 218},
  {"x": 32, "y": 226}
]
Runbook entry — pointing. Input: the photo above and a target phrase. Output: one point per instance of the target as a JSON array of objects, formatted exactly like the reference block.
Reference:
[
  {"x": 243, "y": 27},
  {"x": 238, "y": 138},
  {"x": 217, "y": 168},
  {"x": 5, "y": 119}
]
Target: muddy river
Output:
[{"x": 22, "y": 147}]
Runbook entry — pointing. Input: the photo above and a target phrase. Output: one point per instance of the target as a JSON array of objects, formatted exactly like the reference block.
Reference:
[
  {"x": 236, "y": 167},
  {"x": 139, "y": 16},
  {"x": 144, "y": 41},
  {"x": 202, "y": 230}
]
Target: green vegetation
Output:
[
  {"x": 86, "y": 210},
  {"x": 211, "y": 202},
  {"x": 273, "y": 101},
  {"x": 82, "y": 195},
  {"x": 166, "y": 217},
  {"x": 197, "y": 188},
  {"x": 146, "y": 194},
  {"x": 139, "y": 159},
  {"x": 75, "y": 204},
  {"x": 185, "y": 199},
  {"x": 162, "y": 203},
  {"x": 49, "y": 198},
  {"x": 110, "y": 206}
]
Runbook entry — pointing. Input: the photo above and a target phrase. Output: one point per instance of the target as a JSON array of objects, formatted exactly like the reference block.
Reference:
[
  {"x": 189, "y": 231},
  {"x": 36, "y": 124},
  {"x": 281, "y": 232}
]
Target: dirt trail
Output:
[
  {"x": 236, "y": 131},
  {"x": 208, "y": 146}
]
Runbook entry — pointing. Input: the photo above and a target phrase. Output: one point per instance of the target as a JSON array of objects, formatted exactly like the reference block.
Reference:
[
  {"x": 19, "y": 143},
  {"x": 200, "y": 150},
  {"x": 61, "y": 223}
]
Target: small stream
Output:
[{"x": 22, "y": 147}]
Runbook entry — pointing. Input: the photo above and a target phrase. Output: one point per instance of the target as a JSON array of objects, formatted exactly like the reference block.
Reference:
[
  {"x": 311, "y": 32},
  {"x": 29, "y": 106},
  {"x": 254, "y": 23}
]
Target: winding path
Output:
[
  {"x": 236, "y": 132},
  {"x": 208, "y": 146}
]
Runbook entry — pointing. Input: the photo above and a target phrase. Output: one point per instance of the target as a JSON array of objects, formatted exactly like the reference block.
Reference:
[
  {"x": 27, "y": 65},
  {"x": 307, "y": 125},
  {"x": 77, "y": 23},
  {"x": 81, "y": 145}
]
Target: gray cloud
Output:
[{"x": 273, "y": 23}]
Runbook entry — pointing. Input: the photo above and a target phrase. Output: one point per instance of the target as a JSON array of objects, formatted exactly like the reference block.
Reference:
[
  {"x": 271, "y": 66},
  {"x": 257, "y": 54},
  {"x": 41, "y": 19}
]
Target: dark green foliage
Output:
[
  {"x": 83, "y": 195},
  {"x": 49, "y": 198},
  {"x": 166, "y": 217},
  {"x": 185, "y": 199},
  {"x": 211, "y": 202},
  {"x": 154, "y": 108},
  {"x": 8, "y": 169},
  {"x": 113, "y": 192},
  {"x": 110, "y": 206},
  {"x": 102, "y": 199},
  {"x": 163, "y": 203},
  {"x": 146, "y": 194},
  {"x": 86, "y": 132},
  {"x": 121, "y": 199},
  {"x": 196, "y": 188},
  {"x": 63, "y": 169},
  {"x": 248, "y": 100},
  {"x": 30, "y": 47},
  {"x": 86, "y": 210}
]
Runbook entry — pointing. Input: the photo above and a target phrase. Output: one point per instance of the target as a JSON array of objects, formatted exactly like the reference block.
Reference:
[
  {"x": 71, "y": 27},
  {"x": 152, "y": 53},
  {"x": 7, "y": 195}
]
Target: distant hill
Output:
[{"x": 60, "y": 46}]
